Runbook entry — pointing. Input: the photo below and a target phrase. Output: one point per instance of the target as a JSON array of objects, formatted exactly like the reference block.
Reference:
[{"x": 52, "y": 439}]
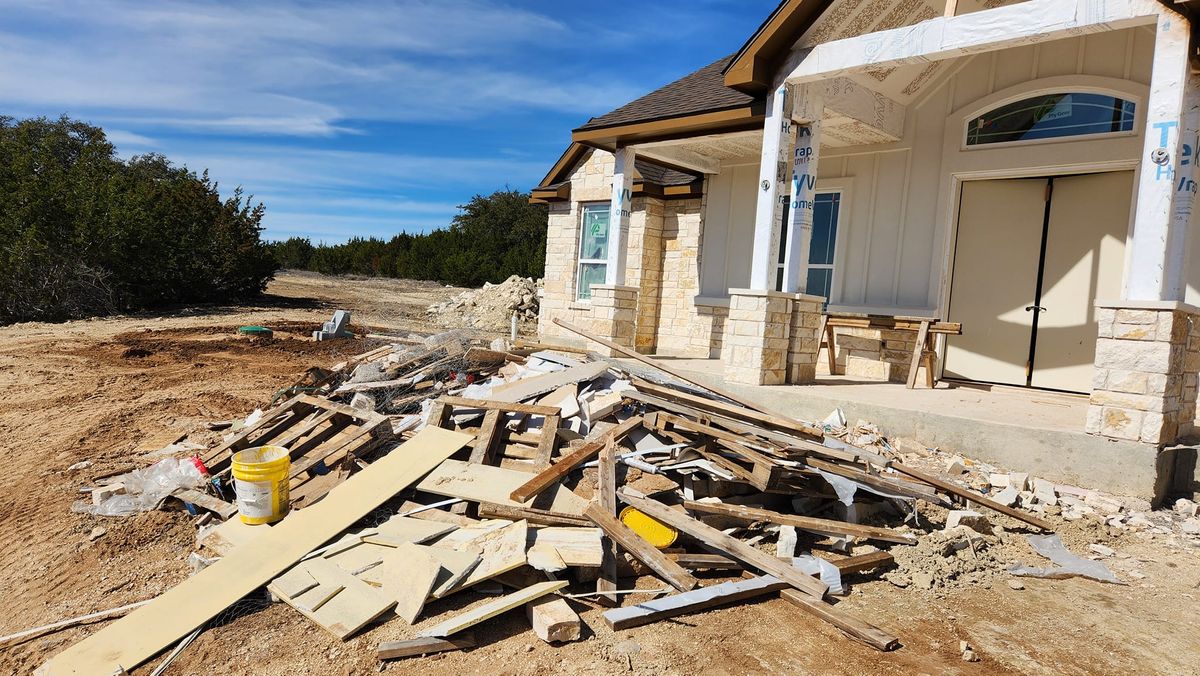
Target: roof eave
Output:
[
  {"x": 753, "y": 67},
  {"x": 739, "y": 118}
]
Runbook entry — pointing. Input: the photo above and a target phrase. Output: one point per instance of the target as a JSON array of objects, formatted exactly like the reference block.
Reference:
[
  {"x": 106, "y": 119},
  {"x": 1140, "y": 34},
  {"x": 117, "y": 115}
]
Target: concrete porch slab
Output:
[{"x": 1025, "y": 430}]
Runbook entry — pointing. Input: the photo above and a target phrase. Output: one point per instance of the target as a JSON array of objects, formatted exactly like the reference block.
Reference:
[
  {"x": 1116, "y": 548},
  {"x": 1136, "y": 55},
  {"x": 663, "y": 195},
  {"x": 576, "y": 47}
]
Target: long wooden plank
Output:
[
  {"x": 808, "y": 523},
  {"x": 643, "y": 551},
  {"x": 670, "y": 371},
  {"x": 854, "y": 627},
  {"x": 484, "y": 451},
  {"x": 527, "y": 388},
  {"x": 737, "y": 412},
  {"x": 972, "y": 497},
  {"x": 729, "y": 545},
  {"x": 142, "y": 634},
  {"x": 493, "y": 405},
  {"x": 560, "y": 469},
  {"x": 493, "y": 608},
  {"x": 426, "y": 645},
  {"x": 691, "y": 602},
  {"x": 896, "y": 486},
  {"x": 606, "y": 489},
  {"x": 846, "y": 566},
  {"x": 483, "y": 483}
]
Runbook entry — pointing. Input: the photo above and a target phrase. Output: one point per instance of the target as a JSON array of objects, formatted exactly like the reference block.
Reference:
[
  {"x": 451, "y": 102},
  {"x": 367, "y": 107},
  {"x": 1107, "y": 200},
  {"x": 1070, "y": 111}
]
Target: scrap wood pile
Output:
[{"x": 537, "y": 474}]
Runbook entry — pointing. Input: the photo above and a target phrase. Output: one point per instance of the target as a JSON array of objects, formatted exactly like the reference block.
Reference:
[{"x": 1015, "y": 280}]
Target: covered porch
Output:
[{"x": 1040, "y": 432}]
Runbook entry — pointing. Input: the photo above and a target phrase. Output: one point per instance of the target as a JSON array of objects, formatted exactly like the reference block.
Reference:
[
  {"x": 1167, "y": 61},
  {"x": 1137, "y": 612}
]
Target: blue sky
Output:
[{"x": 354, "y": 118}]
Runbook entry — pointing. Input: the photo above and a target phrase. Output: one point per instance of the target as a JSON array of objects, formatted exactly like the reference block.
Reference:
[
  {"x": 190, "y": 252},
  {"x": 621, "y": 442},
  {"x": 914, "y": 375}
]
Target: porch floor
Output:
[
  {"x": 1019, "y": 429},
  {"x": 997, "y": 404}
]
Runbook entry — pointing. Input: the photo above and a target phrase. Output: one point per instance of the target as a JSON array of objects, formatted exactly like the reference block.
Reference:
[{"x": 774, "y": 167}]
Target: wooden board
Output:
[
  {"x": 423, "y": 646},
  {"x": 492, "y": 609},
  {"x": 497, "y": 405},
  {"x": 643, "y": 551},
  {"x": 726, "y": 544},
  {"x": 577, "y": 547},
  {"x": 455, "y": 566},
  {"x": 808, "y": 523},
  {"x": 406, "y": 576},
  {"x": 344, "y": 612},
  {"x": 137, "y": 637},
  {"x": 560, "y": 469},
  {"x": 481, "y": 483},
  {"x": 501, "y": 550},
  {"x": 854, "y": 627},
  {"x": 532, "y": 386},
  {"x": 973, "y": 497},
  {"x": 691, "y": 602}
]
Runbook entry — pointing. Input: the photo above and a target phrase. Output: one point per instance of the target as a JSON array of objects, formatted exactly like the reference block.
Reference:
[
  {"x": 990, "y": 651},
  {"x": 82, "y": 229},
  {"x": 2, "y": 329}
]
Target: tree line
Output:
[
  {"x": 85, "y": 233},
  {"x": 491, "y": 239}
]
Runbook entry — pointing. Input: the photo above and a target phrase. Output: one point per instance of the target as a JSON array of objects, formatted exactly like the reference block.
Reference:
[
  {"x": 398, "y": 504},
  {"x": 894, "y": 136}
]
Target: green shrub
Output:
[{"x": 85, "y": 233}]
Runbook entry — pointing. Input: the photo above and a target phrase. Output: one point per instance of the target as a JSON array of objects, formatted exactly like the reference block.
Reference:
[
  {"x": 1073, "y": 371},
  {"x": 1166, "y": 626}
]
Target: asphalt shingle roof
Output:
[{"x": 699, "y": 92}]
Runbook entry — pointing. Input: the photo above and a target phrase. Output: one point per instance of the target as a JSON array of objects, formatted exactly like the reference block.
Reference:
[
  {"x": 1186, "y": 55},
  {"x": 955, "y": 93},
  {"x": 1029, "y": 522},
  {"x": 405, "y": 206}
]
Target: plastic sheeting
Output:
[
  {"x": 1069, "y": 565},
  {"x": 145, "y": 489}
]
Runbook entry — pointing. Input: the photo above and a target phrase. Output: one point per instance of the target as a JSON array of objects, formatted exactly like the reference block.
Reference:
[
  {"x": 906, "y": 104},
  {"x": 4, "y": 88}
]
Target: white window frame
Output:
[
  {"x": 579, "y": 259},
  {"x": 806, "y": 266}
]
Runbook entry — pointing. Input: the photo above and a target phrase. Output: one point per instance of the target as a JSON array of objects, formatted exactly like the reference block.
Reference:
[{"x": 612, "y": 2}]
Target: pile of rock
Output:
[{"x": 490, "y": 308}]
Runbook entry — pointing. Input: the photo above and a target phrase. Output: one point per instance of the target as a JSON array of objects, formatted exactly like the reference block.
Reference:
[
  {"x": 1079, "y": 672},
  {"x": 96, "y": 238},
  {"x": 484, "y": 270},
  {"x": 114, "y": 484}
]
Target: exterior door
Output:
[
  {"x": 1085, "y": 257},
  {"x": 995, "y": 279},
  {"x": 1031, "y": 258}
]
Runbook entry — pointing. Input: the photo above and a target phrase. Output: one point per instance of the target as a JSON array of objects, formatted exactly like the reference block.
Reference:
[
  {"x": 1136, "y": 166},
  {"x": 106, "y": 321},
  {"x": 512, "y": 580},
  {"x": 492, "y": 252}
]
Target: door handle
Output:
[{"x": 1031, "y": 308}]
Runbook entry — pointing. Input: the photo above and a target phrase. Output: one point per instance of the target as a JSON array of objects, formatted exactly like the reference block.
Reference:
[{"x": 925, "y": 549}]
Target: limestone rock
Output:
[{"x": 969, "y": 518}]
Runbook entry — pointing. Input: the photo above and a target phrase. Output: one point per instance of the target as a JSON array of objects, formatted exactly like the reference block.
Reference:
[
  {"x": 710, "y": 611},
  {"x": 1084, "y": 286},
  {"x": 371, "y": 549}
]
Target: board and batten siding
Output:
[{"x": 895, "y": 235}]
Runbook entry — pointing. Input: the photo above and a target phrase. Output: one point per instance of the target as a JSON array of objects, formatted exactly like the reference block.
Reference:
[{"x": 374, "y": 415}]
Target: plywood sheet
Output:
[
  {"x": 137, "y": 637},
  {"x": 483, "y": 483}
]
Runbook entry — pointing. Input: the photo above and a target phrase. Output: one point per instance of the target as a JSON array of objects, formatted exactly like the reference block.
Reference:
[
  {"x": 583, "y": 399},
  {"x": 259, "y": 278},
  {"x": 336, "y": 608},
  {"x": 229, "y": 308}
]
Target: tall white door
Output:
[
  {"x": 1084, "y": 260},
  {"x": 995, "y": 279}
]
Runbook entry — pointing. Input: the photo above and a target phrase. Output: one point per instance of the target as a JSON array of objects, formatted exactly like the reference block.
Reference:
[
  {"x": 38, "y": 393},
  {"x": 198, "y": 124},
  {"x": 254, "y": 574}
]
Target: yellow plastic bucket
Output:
[
  {"x": 650, "y": 529},
  {"x": 260, "y": 482}
]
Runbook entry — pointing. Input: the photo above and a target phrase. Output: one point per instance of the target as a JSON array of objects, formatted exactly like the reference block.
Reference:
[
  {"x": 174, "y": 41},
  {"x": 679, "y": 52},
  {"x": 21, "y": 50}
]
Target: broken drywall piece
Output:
[{"x": 1069, "y": 565}]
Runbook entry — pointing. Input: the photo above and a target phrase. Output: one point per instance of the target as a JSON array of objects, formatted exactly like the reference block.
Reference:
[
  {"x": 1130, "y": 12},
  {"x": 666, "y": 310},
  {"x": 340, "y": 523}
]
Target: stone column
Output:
[
  {"x": 1145, "y": 378},
  {"x": 755, "y": 349},
  {"x": 803, "y": 341},
  {"x": 614, "y": 316}
]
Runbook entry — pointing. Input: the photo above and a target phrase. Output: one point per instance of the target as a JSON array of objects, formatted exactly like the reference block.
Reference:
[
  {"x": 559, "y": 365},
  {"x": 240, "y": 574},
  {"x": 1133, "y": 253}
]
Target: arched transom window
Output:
[{"x": 1048, "y": 116}]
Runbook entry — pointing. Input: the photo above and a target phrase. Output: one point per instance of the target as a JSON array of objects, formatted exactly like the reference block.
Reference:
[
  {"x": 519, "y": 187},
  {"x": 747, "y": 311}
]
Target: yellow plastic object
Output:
[
  {"x": 649, "y": 529},
  {"x": 260, "y": 481}
]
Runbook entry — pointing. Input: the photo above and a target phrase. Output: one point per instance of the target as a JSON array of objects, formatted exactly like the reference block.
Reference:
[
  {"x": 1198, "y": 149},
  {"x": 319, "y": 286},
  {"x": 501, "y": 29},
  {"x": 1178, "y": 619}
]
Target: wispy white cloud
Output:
[{"x": 285, "y": 67}]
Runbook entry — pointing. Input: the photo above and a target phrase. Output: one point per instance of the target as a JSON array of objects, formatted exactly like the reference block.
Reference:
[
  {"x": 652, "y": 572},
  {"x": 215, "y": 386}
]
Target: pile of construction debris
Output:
[
  {"x": 492, "y": 307},
  {"x": 431, "y": 467}
]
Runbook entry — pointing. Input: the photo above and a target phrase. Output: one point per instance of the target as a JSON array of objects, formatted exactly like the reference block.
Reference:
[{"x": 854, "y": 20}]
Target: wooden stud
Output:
[
  {"x": 560, "y": 469},
  {"x": 493, "y": 608},
  {"x": 607, "y": 494},
  {"x": 484, "y": 451},
  {"x": 553, "y": 620},
  {"x": 808, "y": 523},
  {"x": 426, "y": 645},
  {"x": 854, "y": 627},
  {"x": 726, "y": 544},
  {"x": 691, "y": 602},
  {"x": 643, "y": 551},
  {"x": 507, "y": 407},
  {"x": 972, "y": 497},
  {"x": 918, "y": 348}
]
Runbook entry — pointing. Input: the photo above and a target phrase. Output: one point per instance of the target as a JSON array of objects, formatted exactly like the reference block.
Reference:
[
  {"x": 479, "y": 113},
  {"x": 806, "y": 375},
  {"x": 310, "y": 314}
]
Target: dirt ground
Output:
[{"x": 94, "y": 390}]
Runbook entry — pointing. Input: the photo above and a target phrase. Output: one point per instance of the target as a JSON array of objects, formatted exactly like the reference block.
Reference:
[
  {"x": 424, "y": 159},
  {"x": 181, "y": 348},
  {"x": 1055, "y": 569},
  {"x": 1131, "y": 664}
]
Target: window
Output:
[
  {"x": 593, "y": 249},
  {"x": 826, "y": 206},
  {"x": 1051, "y": 116}
]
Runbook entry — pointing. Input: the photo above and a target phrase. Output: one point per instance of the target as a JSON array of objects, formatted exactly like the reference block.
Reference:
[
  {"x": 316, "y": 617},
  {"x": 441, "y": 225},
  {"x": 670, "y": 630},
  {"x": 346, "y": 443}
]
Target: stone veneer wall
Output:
[
  {"x": 663, "y": 264},
  {"x": 1145, "y": 379},
  {"x": 875, "y": 354}
]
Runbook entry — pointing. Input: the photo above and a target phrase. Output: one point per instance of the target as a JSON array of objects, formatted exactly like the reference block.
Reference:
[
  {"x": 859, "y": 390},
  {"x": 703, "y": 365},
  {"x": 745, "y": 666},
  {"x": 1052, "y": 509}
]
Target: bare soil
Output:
[{"x": 93, "y": 390}]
